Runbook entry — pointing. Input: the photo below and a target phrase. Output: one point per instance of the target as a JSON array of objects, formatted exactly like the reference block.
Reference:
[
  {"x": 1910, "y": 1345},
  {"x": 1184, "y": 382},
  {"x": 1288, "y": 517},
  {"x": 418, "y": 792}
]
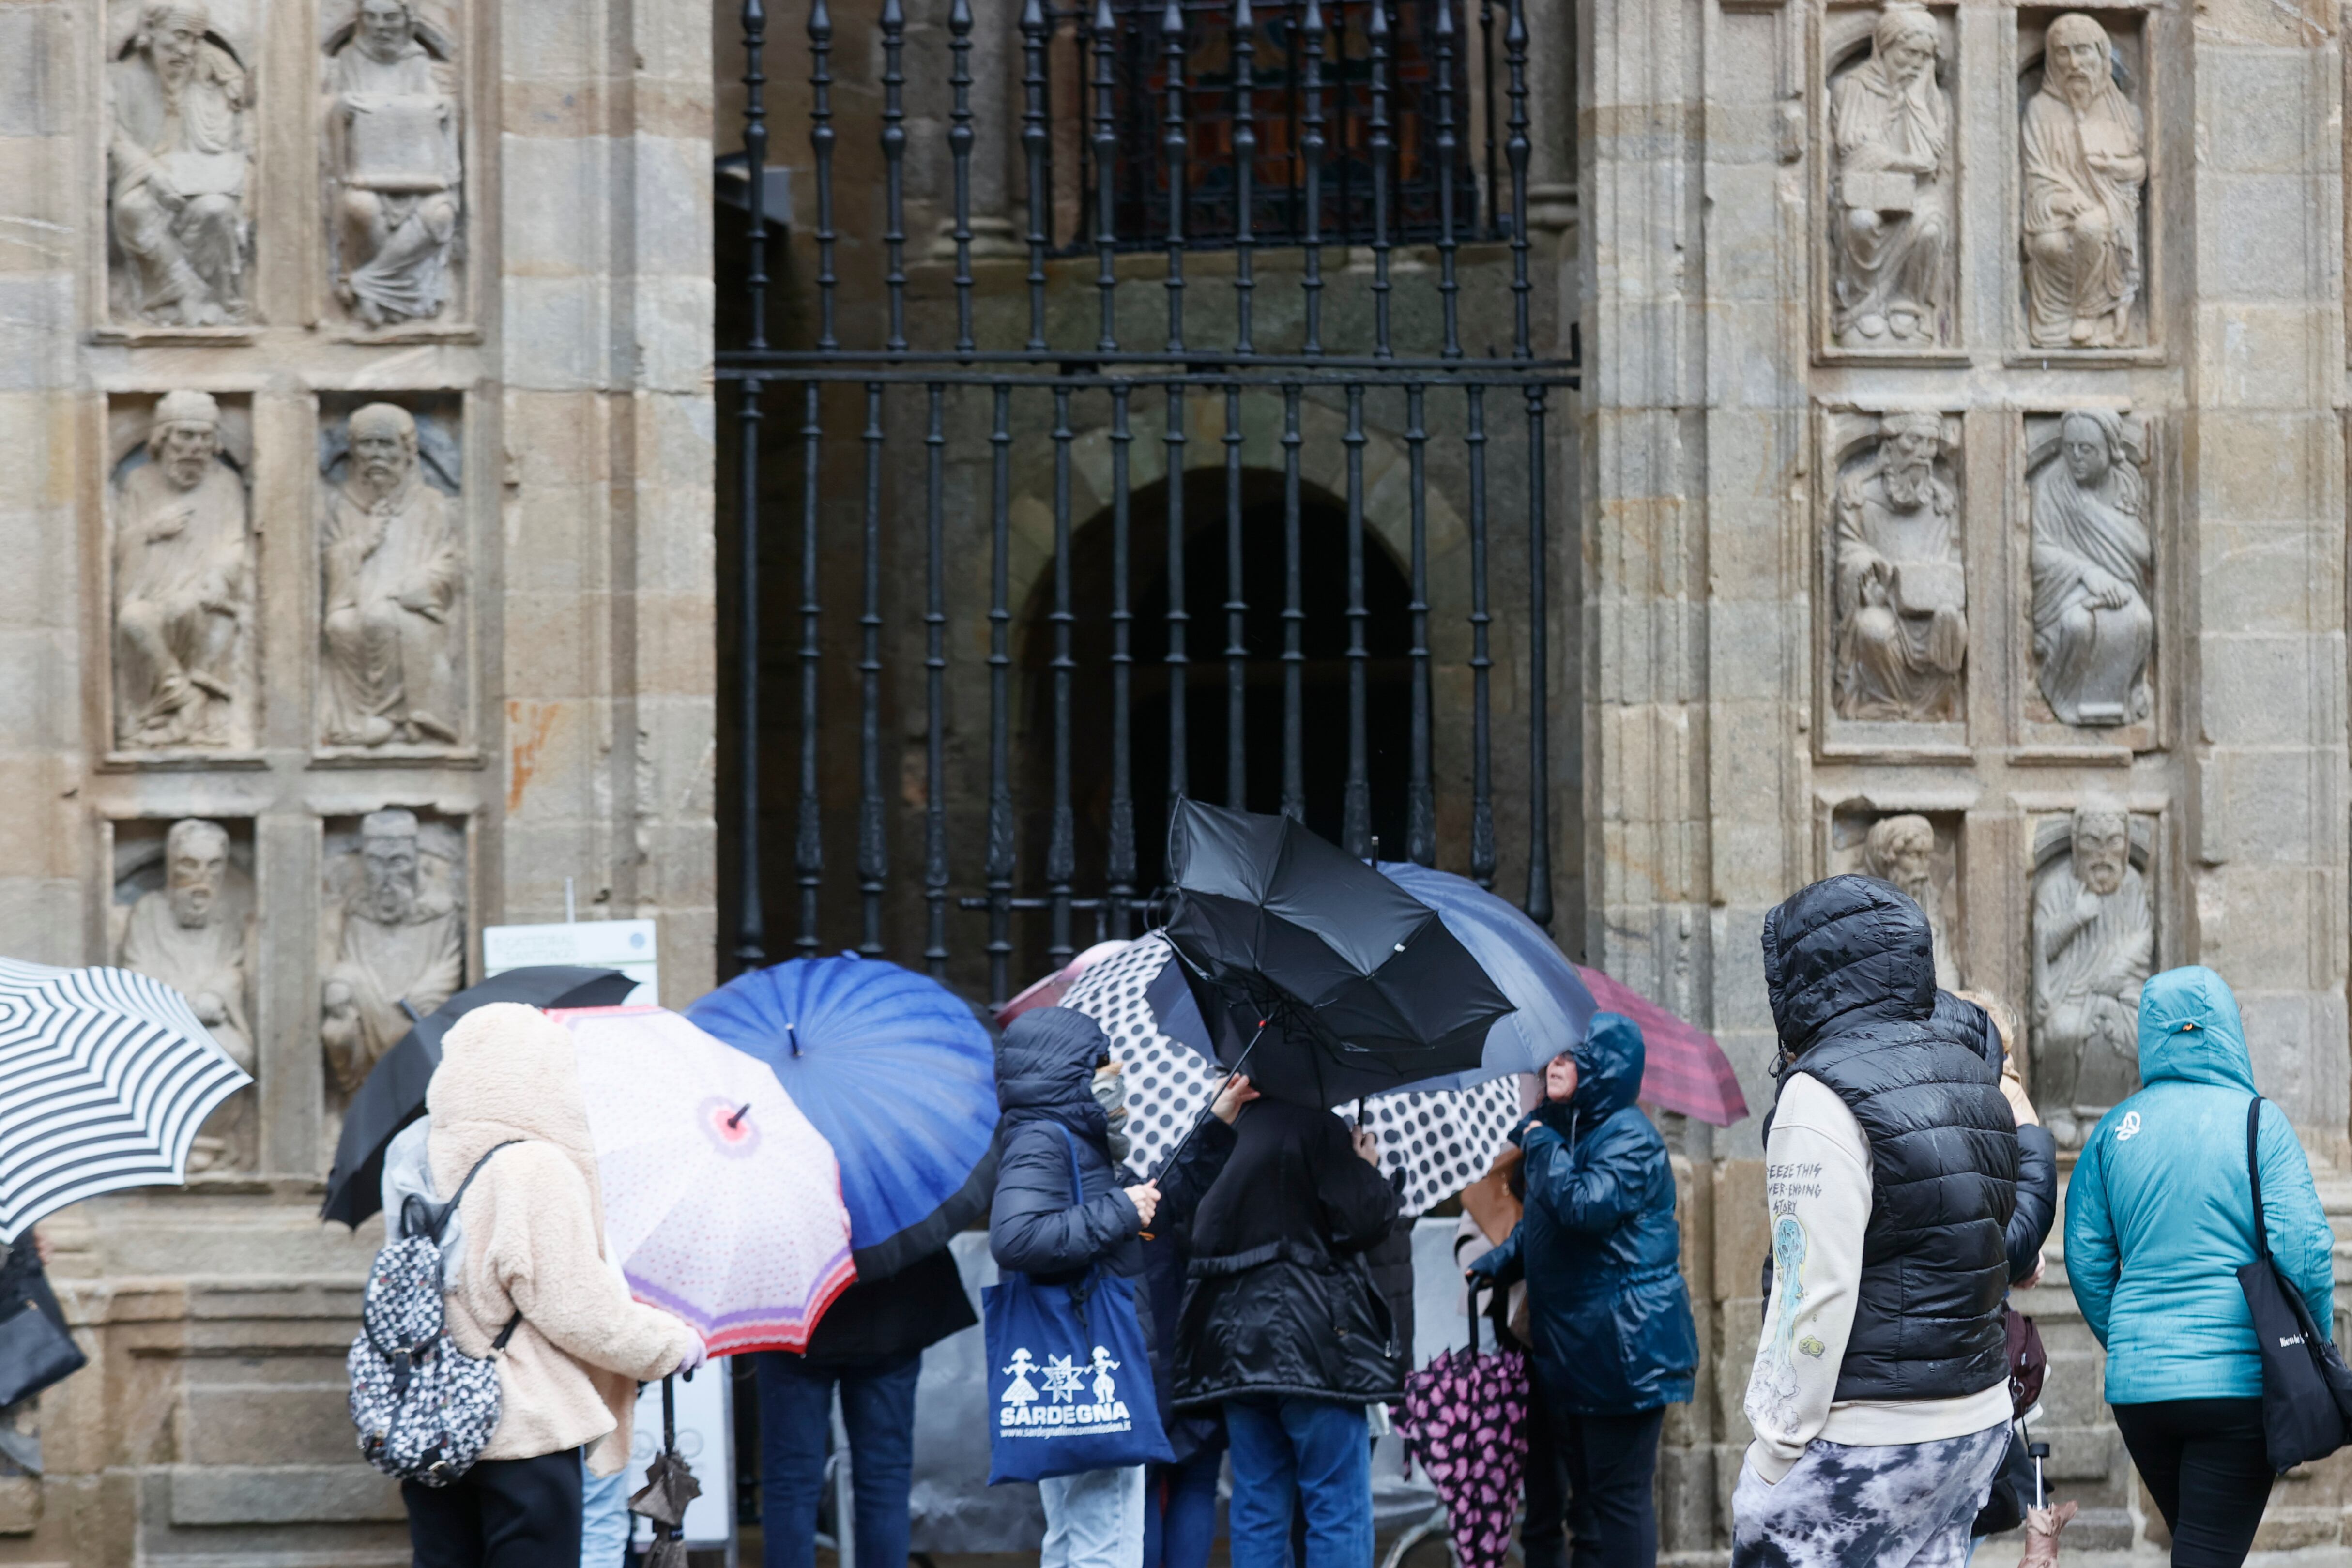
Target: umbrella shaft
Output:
[{"x": 1210, "y": 1109}]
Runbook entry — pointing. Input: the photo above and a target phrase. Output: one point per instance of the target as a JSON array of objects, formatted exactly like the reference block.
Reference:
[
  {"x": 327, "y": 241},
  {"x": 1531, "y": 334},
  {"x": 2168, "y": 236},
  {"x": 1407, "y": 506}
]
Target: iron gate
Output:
[{"x": 1280, "y": 164}]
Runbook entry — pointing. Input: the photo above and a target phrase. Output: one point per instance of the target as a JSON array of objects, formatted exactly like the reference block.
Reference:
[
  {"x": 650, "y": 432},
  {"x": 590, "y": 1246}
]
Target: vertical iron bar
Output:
[
  {"x": 820, "y": 136},
  {"x": 1538, "y": 667},
  {"x": 1178, "y": 659},
  {"x": 1294, "y": 619},
  {"x": 1244, "y": 46},
  {"x": 935, "y": 693},
  {"x": 1311, "y": 147},
  {"x": 1033, "y": 140},
  {"x": 751, "y": 921},
  {"x": 1421, "y": 804},
  {"x": 1376, "y": 14},
  {"x": 1173, "y": 146},
  {"x": 894, "y": 168},
  {"x": 873, "y": 848},
  {"x": 1001, "y": 855},
  {"x": 1515, "y": 45},
  {"x": 1121, "y": 865},
  {"x": 1486, "y": 110},
  {"x": 808, "y": 842},
  {"x": 1061, "y": 852},
  {"x": 1356, "y": 830},
  {"x": 1105, "y": 177},
  {"x": 1449, "y": 286},
  {"x": 1237, "y": 614},
  {"x": 960, "y": 141},
  {"x": 1482, "y": 778}
]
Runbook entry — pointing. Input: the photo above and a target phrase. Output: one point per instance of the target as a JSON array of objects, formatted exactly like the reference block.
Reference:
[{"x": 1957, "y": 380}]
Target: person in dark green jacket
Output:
[
  {"x": 1601, "y": 1254},
  {"x": 2159, "y": 1218}
]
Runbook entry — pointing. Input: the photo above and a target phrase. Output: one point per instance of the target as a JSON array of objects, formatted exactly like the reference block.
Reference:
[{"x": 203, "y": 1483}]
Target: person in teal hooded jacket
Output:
[
  {"x": 1601, "y": 1254},
  {"x": 2159, "y": 1218}
]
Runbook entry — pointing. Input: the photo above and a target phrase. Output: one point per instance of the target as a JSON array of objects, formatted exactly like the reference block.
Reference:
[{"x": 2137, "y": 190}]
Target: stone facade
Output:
[{"x": 361, "y": 595}]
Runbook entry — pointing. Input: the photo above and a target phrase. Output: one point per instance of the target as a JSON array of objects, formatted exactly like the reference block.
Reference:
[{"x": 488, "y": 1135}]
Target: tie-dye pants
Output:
[{"x": 1907, "y": 1505}]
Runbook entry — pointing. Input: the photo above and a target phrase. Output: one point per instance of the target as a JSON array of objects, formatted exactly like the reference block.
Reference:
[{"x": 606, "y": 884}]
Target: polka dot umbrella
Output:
[{"x": 1441, "y": 1140}]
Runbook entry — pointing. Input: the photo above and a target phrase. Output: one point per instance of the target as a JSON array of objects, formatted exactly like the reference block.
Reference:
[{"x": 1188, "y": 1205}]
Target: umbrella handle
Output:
[
  {"x": 669, "y": 1416},
  {"x": 1205, "y": 1111},
  {"x": 1474, "y": 1320}
]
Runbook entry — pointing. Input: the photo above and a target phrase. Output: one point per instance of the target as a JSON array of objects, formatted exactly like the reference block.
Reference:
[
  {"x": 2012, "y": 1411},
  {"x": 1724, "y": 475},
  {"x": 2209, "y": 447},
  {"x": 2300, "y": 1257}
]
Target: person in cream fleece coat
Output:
[{"x": 533, "y": 1228}]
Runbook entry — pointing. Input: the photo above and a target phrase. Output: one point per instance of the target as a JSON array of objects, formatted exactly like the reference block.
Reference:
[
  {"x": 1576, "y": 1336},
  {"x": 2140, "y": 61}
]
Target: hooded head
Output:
[
  {"x": 1609, "y": 1062},
  {"x": 1045, "y": 1069},
  {"x": 2190, "y": 1031},
  {"x": 1845, "y": 952},
  {"x": 509, "y": 1072},
  {"x": 1964, "y": 1023}
]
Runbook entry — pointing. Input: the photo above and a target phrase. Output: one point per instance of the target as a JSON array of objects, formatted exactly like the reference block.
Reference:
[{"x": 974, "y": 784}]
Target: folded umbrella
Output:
[
  {"x": 722, "y": 1202},
  {"x": 393, "y": 1093},
  {"x": 1332, "y": 980},
  {"x": 897, "y": 1071},
  {"x": 1465, "y": 1417},
  {"x": 1685, "y": 1069},
  {"x": 105, "y": 1076}
]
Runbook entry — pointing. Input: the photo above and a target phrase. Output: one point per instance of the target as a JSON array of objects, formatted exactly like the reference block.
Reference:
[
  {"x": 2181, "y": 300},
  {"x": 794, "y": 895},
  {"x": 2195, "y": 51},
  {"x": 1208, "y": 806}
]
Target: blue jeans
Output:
[
  {"x": 604, "y": 1518},
  {"x": 878, "y": 1405},
  {"x": 1320, "y": 1451},
  {"x": 1180, "y": 1511}
]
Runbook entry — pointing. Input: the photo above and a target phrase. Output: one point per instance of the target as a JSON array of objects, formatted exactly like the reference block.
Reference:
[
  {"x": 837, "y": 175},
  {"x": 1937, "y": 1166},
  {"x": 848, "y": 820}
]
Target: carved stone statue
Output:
[
  {"x": 392, "y": 149},
  {"x": 2085, "y": 156},
  {"x": 196, "y": 939},
  {"x": 2093, "y": 568},
  {"x": 1902, "y": 850},
  {"x": 393, "y": 941},
  {"x": 183, "y": 585},
  {"x": 2094, "y": 944},
  {"x": 1890, "y": 127},
  {"x": 1902, "y": 597},
  {"x": 177, "y": 160},
  {"x": 392, "y": 559}
]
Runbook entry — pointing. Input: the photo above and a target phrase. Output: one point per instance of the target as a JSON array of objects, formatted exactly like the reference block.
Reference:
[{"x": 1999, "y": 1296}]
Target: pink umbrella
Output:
[
  {"x": 1465, "y": 1417},
  {"x": 1048, "y": 992},
  {"x": 1686, "y": 1070}
]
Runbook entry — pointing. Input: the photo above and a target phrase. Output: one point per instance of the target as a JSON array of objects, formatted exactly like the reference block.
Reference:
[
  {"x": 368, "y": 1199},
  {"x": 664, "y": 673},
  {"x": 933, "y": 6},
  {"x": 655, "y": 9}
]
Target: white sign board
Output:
[
  {"x": 624, "y": 944},
  {"x": 706, "y": 1441}
]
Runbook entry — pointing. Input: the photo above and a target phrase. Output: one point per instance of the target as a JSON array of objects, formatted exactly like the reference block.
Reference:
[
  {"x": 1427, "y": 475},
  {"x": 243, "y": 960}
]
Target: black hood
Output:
[
  {"x": 1045, "y": 1069},
  {"x": 1964, "y": 1023},
  {"x": 1846, "y": 952}
]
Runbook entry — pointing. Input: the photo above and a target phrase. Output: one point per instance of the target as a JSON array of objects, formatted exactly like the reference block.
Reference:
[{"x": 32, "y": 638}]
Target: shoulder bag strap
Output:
[
  {"x": 2254, "y": 1177},
  {"x": 449, "y": 1211},
  {"x": 1084, "y": 1285}
]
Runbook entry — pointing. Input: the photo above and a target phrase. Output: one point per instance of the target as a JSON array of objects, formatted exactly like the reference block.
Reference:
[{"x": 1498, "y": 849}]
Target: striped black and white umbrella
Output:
[{"x": 105, "y": 1076}]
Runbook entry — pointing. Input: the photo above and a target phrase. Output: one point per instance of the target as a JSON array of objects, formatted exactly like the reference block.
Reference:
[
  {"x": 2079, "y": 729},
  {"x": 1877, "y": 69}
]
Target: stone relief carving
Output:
[
  {"x": 393, "y": 161},
  {"x": 395, "y": 932},
  {"x": 182, "y": 586},
  {"x": 1902, "y": 595},
  {"x": 2085, "y": 156},
  {"x": 2094, "y": 944},
  {"x": 392, "y": 559},
  {"x": 1902, "y": 850},
  {"x": 195, "y": 933},
  {"x": 180, "y": 113},
  {"x": 1890, "y": 131},
  {"x": 2094, "y": 569}
]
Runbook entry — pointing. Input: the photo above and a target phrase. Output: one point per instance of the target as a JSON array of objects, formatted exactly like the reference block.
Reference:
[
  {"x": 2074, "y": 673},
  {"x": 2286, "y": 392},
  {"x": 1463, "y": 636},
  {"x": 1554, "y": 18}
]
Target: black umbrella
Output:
[
  {"x": 1334, "y": 981},
  {"x": 393, "y": 1094}
]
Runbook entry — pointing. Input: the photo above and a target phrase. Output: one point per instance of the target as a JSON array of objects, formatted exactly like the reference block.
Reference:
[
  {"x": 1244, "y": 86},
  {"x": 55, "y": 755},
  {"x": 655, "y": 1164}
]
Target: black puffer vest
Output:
[{"x": 1852, "y": 974}]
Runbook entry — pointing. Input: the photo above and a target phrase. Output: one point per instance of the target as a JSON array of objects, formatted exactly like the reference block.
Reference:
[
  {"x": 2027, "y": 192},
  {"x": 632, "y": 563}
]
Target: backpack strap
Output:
[
  {"x": 506, "y": 1332},
  {"x": 448, "y": 1210}
]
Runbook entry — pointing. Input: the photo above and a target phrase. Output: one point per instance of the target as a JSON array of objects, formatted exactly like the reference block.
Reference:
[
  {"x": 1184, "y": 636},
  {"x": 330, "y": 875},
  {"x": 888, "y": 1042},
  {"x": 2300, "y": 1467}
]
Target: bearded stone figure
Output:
[
  {"x": 196, "y": 939},
  {"x": 1902, "y": 597},
  {"x": 392, "y": 146},
  {"x": 1890, "y": 128},
  {"x": 392, "y": 943},
  {"x": 2085, "y": 156},
  {"x": 2093, "y": 946},
  {"x": 176, "y": 165},
  {"x": 2093, "y": 568},
  {"x": 1902, "y": 850},
  {"x": 392, "y": 561},
  {"x": 182, "y": 586}
]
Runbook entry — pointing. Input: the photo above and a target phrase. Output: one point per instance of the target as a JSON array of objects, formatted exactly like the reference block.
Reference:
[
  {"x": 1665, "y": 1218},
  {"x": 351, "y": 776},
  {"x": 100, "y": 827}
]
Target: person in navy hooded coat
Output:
[{"x": 1602, "y": 1255}]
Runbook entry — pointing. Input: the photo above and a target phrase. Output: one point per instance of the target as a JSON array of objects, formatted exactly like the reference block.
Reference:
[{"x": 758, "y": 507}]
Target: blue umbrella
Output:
[
  {"x": 897, "y": 1071},
  {"x": 1551, "y": 1007}
]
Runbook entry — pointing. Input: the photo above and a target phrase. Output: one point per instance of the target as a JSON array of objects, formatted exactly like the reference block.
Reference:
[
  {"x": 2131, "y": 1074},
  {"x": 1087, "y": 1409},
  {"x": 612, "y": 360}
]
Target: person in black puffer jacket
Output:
[
  {"x": 1282, "y": 1326},
  {"x": 1965, "y": 1022},
  {"x": 1880, "y": 1391},
  {"x": 1045, "y": 1067}
]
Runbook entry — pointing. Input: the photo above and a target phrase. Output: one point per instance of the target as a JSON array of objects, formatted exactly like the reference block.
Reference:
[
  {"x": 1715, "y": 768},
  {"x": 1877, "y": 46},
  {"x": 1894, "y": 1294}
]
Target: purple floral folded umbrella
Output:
[{"x": 1465, "y": 1417}]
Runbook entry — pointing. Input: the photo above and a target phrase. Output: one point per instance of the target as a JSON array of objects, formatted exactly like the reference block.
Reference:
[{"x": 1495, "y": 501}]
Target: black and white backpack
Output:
[{"x": 423, "y": 1407}]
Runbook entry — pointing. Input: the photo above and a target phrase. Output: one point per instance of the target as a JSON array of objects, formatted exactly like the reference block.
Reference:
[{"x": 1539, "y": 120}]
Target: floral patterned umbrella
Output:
[{"x": 1465, "y": 1417}]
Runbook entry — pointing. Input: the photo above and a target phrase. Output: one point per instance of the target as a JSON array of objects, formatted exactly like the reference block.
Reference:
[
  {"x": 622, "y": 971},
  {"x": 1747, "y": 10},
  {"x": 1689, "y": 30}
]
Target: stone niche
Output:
[
  {"x": 183, "y": 559},
  {"x": 2093, "y": 935},
  {"x": 183, "y": 911},
  {"x": 1895, "y": 637},
  {"x": 182, "y": 191},
  {"x": 2088, "y": 534},
  {"x": 1888, "y": 182},
  {"x": 392, "y": 931},
  {"x": 392, "y": 166},
  {"x": 2085, "y": 180},
  {"x": 1918, "y": 852},
  {"x": 395, "y": 649}
]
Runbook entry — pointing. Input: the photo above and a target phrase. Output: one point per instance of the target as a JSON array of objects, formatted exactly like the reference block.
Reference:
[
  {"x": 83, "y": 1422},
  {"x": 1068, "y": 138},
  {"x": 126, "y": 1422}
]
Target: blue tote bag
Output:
[{"x": 1069, "y": 1376}]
